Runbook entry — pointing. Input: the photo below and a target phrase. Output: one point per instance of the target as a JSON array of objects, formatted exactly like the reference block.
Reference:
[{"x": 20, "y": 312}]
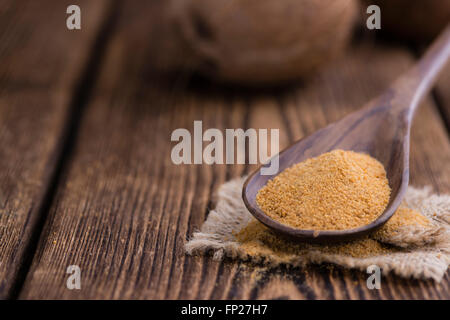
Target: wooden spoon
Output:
[{"x": 380, "y": 129}]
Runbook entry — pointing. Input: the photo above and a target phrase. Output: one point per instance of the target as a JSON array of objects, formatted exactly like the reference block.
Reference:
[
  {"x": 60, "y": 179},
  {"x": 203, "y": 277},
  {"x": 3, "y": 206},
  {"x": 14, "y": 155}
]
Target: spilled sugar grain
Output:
[
  {"x": 256, "y": 240},
  {"x": 408, "y": 228},
  {"x": 403, "y": 217},
  {"x": 261, "y": 243},
  {"x": 337, "y": 190}
]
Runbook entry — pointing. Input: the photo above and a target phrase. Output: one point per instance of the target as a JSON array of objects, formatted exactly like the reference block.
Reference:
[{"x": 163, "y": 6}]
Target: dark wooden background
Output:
[{"x": 85, "y": 171}]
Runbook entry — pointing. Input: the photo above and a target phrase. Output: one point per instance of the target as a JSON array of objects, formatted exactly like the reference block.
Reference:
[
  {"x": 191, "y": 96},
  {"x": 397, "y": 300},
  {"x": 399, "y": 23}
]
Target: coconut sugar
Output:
[
  {"x": 256, "y": 240},
  {"x": 337, "y": 190},
  {"x": 403, "y": 217},
  {"x": 411, "y": 244}
]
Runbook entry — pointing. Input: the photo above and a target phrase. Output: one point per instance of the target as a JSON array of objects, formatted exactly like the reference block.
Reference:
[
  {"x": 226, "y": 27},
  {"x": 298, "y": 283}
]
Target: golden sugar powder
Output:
[
  {"x": 337, "y": 190},
  {"x": 258, "y": 241},
  {"x": 403, "y": 217}
]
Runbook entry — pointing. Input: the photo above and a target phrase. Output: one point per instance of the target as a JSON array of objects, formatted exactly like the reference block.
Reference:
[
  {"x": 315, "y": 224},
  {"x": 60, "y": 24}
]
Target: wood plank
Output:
[
  {"x": 123, "y": 210},
  {"x": 41, "y": 63},
  {"x": 442, "y": 95}
]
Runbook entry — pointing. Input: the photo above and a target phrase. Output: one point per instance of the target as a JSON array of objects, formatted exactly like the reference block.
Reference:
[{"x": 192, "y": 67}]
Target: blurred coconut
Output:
[
  {"x": 416, "y": 20},
  {"x": 255, "y": 42}
]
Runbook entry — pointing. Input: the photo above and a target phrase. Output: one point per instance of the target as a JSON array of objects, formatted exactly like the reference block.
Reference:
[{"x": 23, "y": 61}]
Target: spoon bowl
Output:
[
  {"x": 367, "y": 131},
  {"x": 381, "y": 129}
]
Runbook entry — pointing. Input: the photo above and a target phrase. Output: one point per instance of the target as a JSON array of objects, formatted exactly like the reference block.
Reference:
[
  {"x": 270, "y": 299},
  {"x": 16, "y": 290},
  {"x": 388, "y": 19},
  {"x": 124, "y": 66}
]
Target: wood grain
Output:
[
  {"x": 41, "y": 62},
  {"x": 123, "y": 210},
  {"x": 442, "y": 94}
]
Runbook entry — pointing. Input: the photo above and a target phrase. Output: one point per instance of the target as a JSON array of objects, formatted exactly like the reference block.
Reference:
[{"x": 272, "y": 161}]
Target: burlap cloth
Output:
[{"x": 419, "y": 253}]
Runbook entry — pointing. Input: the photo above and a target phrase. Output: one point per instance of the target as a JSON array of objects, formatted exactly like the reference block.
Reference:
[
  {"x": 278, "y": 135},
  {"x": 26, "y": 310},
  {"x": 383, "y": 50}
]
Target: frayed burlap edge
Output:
[{"x": 426, "y": 253}]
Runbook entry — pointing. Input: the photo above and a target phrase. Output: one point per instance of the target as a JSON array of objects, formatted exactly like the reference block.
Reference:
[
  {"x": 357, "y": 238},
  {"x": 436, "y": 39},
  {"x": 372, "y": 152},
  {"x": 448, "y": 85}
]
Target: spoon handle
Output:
[{"x": 410, "y": 88}]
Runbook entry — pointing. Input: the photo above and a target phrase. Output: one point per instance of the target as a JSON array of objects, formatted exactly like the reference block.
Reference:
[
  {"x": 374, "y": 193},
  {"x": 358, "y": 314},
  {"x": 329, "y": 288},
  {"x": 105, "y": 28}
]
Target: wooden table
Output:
[{"x": 86, "y": 176}]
